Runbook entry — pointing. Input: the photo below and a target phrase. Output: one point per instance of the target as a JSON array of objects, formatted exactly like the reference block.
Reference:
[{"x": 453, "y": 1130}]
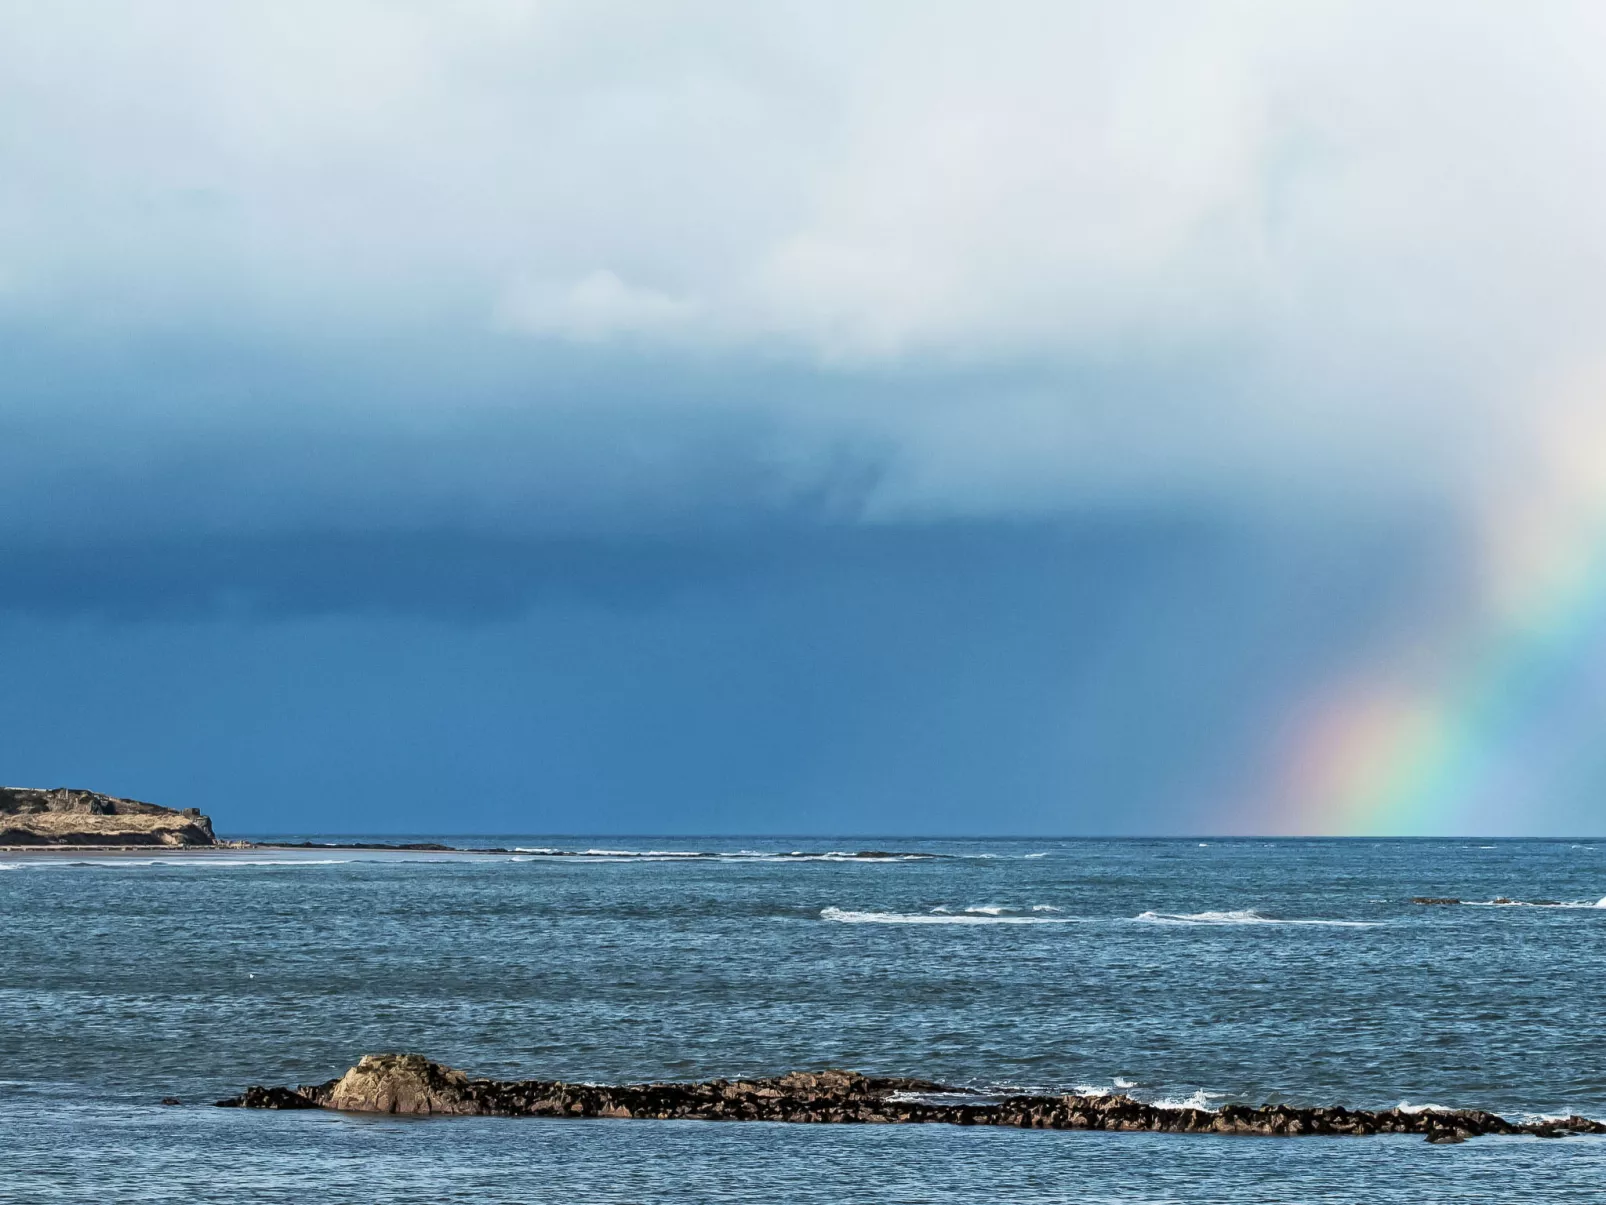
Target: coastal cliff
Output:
[
  {"x": 410, "y": 1083},
  {"x": 34, "y": 816}
]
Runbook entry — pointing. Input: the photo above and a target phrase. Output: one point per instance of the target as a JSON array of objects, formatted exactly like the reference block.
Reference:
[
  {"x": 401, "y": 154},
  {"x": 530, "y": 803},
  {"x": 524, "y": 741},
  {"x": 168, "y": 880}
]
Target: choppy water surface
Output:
[{"x": 1175, "y": 970}]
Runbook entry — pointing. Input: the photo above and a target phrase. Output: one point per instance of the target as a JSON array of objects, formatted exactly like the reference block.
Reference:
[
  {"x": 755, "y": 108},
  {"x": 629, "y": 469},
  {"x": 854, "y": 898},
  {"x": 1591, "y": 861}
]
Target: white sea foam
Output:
[
  {"x": 1548, "y": 1118},
  {"x": 740, "y": 855},
  {"x": 644, "y": 853},
  {"x": 257, "y": 862},
  {"x": 1044, "y": 908},
  {"x": 1562, "y": 905},
  {"x": 849, "y": 917},
  {"x": 1247, "y": 916},
  {"x": 836, "y": 855},
  {"x": 600, "y": 855},
  {"x": 1122, "y": 1082},
  {"x": 1044, "y": 854},
  {"x": 1200, "y": 1099}
]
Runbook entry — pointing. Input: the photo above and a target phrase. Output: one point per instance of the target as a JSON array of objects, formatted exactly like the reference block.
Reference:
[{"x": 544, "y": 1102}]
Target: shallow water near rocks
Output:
[{"x": 1202, "y": 971}]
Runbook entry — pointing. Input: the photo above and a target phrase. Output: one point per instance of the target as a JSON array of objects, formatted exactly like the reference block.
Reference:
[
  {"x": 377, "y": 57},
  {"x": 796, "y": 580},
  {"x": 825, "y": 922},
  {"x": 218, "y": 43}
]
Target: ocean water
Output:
[{"x": 1199, "y": 971}]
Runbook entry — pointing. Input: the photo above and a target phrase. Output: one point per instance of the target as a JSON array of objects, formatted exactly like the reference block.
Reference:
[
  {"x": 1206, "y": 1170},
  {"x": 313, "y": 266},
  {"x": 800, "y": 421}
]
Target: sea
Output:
[{"x": 1199, "y": 971}]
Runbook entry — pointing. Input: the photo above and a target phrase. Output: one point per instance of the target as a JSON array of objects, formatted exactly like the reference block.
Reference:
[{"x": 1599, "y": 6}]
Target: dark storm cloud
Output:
[
  {"x": 471, "y": 576},
  {"x": 1107, "y": 676},
  {"x": 925, "y": 404}
]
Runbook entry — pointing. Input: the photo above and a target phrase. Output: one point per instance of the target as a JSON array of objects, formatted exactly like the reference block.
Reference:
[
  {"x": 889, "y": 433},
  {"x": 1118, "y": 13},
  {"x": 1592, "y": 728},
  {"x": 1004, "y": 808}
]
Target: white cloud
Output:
[
  {"x": 596, "y": 307},
  {"x": 1382, "y": 221}
]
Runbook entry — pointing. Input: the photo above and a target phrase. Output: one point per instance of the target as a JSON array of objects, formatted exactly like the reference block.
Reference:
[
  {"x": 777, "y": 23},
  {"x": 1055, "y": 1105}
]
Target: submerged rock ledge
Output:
[{"x": 411, "y": 1084}]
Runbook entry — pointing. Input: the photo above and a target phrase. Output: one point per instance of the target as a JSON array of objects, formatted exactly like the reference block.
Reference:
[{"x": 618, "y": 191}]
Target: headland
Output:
[{"x": 37, "y": 818}]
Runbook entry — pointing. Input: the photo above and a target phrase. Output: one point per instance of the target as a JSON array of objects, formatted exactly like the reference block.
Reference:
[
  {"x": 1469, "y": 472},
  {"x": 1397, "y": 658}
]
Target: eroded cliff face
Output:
[{"x": 63, "y": 816}]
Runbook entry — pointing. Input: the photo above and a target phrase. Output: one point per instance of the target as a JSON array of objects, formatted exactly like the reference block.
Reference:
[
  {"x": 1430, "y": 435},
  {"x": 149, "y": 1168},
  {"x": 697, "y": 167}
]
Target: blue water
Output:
[{"x": 1202, "y": 971}]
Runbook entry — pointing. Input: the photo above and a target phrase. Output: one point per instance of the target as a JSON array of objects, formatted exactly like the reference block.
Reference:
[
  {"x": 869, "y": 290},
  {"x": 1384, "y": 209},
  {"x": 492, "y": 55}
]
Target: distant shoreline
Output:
[
  {"x": 233, "y": 847},
  {"x": 412, "y": 847}
]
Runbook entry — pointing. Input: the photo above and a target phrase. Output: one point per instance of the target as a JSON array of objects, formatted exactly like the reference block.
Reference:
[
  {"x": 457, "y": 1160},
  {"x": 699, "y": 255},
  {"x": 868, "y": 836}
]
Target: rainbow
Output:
[{"x": 1511, "y": 710}]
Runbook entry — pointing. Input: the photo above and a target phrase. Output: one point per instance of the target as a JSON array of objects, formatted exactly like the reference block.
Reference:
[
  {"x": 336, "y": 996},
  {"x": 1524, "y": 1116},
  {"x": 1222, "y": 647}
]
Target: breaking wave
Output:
[
  {"x": 1200, "y": 1099},
  {"x": 986, "y": 916},
  {"x": 256, "y": 862},
  {"x": 1505, "y": 902},
  {"x": 1247, "y": 916},
  {"x": 740, "y": 855}
]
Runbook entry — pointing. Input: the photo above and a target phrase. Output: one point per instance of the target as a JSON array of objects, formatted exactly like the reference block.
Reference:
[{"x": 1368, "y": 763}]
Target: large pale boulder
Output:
[{"x": 401, "y": 1083}]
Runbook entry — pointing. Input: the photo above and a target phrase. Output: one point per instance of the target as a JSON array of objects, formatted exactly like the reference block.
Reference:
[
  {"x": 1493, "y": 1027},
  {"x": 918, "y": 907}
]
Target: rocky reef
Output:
[
  {"x": 411, "y": 1084},
  {"x": 1502, "y": 900},
  {"x": 34, "y": 816}
]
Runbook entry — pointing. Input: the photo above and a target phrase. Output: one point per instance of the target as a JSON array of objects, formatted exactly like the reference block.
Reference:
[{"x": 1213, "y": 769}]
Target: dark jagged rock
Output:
[
  {"x": 410, "y": 1083},
  {"x": 273, "y": 1098},
  {"x": 35, "y": 816},
  {"x": 1434, "y": 899},
  {"x": 415, "y": 846}
]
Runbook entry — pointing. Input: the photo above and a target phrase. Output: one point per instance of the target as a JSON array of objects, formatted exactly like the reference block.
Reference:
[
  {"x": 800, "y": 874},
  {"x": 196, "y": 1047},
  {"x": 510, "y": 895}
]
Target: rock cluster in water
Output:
[
  {"x": 410, "y": 1083},
  {"x": 35, "y": 816},
  {"x": 1499, "y": 899}
]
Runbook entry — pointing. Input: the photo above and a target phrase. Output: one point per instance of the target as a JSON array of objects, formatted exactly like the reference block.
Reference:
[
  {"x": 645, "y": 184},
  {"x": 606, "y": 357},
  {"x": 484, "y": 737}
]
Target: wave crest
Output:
[
  {"x": 1244, "y": 916},
  {"x": 848, "y": 916},
  {"x": 740, "y": 855}
]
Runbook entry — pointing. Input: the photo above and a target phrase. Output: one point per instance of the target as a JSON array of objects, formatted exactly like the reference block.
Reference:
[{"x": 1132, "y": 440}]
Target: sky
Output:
[{"x": 1047, "y": 418}]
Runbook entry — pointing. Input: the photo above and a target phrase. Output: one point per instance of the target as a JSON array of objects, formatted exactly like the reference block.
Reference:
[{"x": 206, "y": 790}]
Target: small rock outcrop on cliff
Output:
[
  {"x": 410, "y": 1083},
  {"x": 63, "y": 816}
]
